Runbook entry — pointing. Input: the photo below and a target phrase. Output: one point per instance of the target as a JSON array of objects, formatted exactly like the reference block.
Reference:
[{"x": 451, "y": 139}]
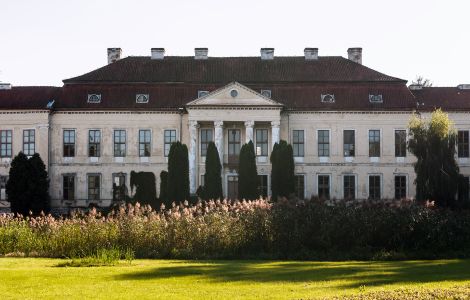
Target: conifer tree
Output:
[
  {"x": 282, "y": 170},
  {"x": 178, "y": 173},
  {"x": 164, "y": 187},
  {"x": 247, "y": 173},
  {"x": 144, "y": 183},
  {"x": 39, "y": 185},
  {"x": 212, "y": 177}
]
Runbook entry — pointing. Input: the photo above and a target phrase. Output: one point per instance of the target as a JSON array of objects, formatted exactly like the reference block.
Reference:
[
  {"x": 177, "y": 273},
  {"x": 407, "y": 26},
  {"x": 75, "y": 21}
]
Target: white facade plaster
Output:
[
  {"x": 193, "y": 129},
  {"x": 249, "y": 131},
  {"x": 219, "y": 139}
]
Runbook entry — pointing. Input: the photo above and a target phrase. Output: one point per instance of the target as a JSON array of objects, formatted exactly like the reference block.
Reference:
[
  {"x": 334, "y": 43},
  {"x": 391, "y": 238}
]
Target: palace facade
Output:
[{"x": 346, "y": 122}]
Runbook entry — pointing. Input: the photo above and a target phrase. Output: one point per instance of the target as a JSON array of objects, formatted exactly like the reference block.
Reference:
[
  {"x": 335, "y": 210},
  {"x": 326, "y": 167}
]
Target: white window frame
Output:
[
  {"x": 330, "y": 148},
  {"x": 407, "y": 183},
  {"x": 380, "y": 143},
  {"x": 355, "y": 184},
  {"x": 101, "y": 186},
  {"x": 140, "y": 96},
  {"x": 90, "y": 96},
  {"x": 305, "y": 140},
  {"x": 125, "y": 144},
  {"x": 101, "y": 142},
  {"x": 164, "y": 143},
  {"x": 138, "y": 141},
  {"x": 330, "y": 178},
  {"x": 381, "y": 185},
  {"x": 355, "y": 141},
  {"x": 406, "y": 141},
  {"x": 256, "y": 141}
]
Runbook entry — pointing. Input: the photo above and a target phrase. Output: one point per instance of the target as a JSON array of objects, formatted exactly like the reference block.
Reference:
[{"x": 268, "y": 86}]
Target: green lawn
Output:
[{"x": 37, "y": 278}]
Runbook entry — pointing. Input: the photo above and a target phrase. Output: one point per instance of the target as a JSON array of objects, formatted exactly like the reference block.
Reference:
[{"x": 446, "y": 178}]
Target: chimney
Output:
[
  {"x": 311, "y": 53},
  {"x": 267, "y": 53},
  {"x": 5, "y": 86},
  {"x": 200, "y": 53},
  {"x": 355, "y": 54},
  {"x": 114, "y": 54},
  {"x": 464, "y": 86},
  {"x": 158, "y": 53}
]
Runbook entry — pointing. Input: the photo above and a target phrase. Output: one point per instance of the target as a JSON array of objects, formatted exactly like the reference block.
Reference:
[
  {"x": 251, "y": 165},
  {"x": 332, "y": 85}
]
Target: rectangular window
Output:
[
  {"x": 119, "y": 187},
  {"x": 261, "y": 142},
  {"x": 374, "y": 143},
  {"x": 69, "y": 143},
  {"x": 68, "y": 187},
  {"x": 462, "y": 142},
  {"x": 169, "y": 138},
  {"x": 400, "y": 143},
  {"x": 298, "y": 143},
  {"x": 3, "y": 186},
  {"x": 300, "y": 186},
  {"x": 119, "y": 143},
  {"x": 263, "y": 185},
  {"x": 323, "y": 143},
  {"x": 324, "y": 187},
  {"x": 94, "y": 143},
  {"x": 94, "y": 187},
  {"x": 29, "y": 142},
  {"x": 5, "y": 143},
  {"x": 206, "y": 138},
  {"x": 400, "y": 187},
  {"x": 234, "y": 138},
  {"x": 145, "y": 138},
  {"x": 374, "y": 187},
  {"x": 349, "y": 143},
  {"x": 349, "y": 187}
]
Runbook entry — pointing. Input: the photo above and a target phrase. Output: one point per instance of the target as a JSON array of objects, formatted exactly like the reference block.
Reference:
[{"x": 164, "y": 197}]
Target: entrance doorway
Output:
[{"x": 232, "y": 187}]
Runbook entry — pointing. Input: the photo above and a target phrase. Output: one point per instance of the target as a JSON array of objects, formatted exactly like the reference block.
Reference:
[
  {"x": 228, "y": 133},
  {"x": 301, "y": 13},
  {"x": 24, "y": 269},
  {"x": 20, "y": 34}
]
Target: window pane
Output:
[
  {"x": 5, "y": 143},
  {"x": 263, "y": 185},
  {"x": 206, "y": 138},
  {"x": 400, "y": 143},
  {"x": 323, "y": 143},
  {"x": 300, "y": 186},
  {"x": 374, "y": 143},
  {"x": 119, "y": 143},
  {"x": 93, "y": 187},
  {"x": 324, "y": 186},
  {"x": 298, "y": 143},
  {"x": 170, "y": 137},
  {"x": 374, "y": 187},
  {"x": 349, "y": 143},
  {"x": 144, "y": 143},
  {"x": 69, "y": 187},
  {"x": 462, "y": 142},
  {"x": 69, "y": 143},
  {"x": 349, "y": 187},
  {"x": 400, "y": 187},
  {"x": 261, "y": 142}
]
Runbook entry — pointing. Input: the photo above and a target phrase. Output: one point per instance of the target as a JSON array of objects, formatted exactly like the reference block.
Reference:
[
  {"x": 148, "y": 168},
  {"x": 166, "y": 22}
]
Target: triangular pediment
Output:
[{"x": 234, "y": 94}]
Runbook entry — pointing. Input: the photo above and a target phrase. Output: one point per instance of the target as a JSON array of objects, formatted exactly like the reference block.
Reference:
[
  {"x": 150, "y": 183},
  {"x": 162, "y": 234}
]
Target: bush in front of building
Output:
[
  {"x": 287, "y": 229},
  {"x": 247, "y": 173},
  {"x": 145, "y": 190},
  {"x": 212, "y": 177},
  {"x": 178, "y": 172},
  {"x": 282, "y": 170},
  {"x": 28, "y": 185},
  {"x": 163, "y": 187}
]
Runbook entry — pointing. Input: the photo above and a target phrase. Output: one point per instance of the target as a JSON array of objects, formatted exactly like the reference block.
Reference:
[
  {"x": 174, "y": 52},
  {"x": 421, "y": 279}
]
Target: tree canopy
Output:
[{"x": 437, "y": 172}]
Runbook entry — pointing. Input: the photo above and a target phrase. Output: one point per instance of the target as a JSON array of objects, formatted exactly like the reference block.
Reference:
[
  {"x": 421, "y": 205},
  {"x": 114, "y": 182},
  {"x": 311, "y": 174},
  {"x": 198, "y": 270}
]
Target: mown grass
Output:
[{"x": 40, "y": 278}]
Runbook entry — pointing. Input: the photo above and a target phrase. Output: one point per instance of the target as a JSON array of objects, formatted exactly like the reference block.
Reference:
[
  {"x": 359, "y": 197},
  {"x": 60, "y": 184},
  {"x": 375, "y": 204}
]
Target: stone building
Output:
[{"x": 347, "y": 123}]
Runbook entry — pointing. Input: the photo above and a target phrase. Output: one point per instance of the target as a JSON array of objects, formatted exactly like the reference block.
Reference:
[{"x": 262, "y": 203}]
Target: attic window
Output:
[
  {"x": 142, "y": 98},
  {"x": 234, "y": 93},
  {"x": 202, "y": 93},
  {"x": 328, "y": 98},
  {"x": 266, "y": 93},
  {"x": 375, "y": 98},
  {"x": 94, "y": 98}
]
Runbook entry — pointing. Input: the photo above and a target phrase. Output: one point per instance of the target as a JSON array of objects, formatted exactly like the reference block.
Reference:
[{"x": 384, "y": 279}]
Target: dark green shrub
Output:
[
  {"x": 212, "y": 177},
  {"x": 247, "y": 173}
]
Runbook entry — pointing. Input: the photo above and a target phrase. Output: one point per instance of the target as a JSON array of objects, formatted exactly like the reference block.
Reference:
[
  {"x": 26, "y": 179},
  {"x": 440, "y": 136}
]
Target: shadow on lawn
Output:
[{"x": 355, "y": 273}]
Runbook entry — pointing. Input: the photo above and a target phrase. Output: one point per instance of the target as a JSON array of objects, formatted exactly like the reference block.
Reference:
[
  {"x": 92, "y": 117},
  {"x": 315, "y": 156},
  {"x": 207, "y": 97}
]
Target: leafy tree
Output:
[
  {"x": 164, "y": 186},
  {"x": 28, "y": 185},
  {"x": 437, "y": 172},
  {"x": 178, "y": 173},
  {"x": 247, "y": 173},
  {"x": 282, "y": 170},
  {"x": 144, "y": 183},
  {"x": 212, "y": 177}
]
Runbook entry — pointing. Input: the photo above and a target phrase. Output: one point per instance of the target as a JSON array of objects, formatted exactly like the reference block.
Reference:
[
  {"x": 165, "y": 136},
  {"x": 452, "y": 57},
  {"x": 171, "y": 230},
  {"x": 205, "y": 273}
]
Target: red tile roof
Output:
[
  {"x": 28, "y": 97},
  {"x": 447, "y": 98},
  {"x": 222, "y": 70}
]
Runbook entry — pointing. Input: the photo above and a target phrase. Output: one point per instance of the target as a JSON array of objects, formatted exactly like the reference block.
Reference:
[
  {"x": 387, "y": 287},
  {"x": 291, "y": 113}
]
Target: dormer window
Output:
[
  {"x": 142, "y": 98},
  {"x": 234, "y": 93},
  {"x": 202, "y": 93},
  {"x": 373, "y": 98},
  {"x": 266, "y": 93},
  {"x": 94, "y": 98},
  {"x": 328, "y": 98}
]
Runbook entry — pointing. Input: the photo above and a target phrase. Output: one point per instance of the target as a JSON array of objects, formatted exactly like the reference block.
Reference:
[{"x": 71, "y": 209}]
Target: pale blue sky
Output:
[{"x": 43, "y": 42}]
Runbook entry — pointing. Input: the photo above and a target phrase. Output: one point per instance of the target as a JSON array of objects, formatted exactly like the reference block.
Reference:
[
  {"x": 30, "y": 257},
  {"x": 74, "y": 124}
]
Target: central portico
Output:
[{"x": 241, "y": 114}]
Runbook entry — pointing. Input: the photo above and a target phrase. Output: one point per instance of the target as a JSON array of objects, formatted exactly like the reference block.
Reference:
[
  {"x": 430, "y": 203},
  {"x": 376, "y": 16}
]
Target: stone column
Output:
[
  {"x": 249, "y": 131},
  {"x": 219, "y": 139},
  {"x": 275, "y": 132},
  {"x": 193, "y": 126}
]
